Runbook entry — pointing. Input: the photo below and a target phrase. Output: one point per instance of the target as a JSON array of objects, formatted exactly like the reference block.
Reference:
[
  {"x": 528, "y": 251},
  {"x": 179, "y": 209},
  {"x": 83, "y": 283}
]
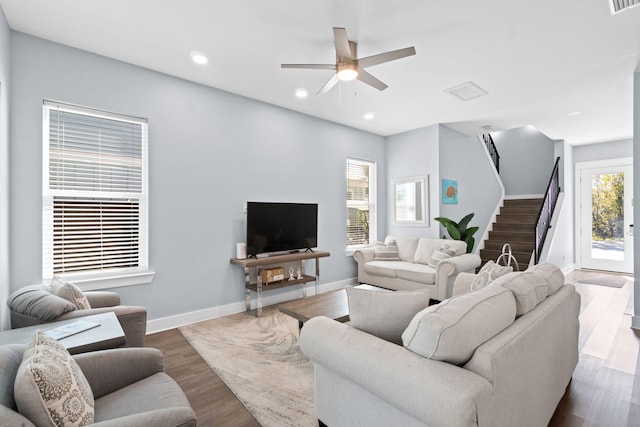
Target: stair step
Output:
[
  {"x": 518, "y": 219},
  {"x": 511, "y": 236},
  {"x": 522, "y": 257},
  {"x": 515, "y": 245},
  {"x": 523, "y": 202},
  {"x": 520, "y": 210},
  {"x": 512, "y": 227}
]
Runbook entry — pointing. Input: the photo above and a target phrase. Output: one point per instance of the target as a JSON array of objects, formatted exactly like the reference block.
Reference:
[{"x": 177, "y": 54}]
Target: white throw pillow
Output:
[
  {"x": 50, "y": 389},
  {"x": 452, "y": 330},
  {"x": 552, "y": 273},
  {"x": 487, "y": 274},
  {"x": 70, "y": 292},
  {"x": 388, "y": 252},
  {"x": 384, "y": 314},
  {"x": 529, "y": 289},
  {"x": 443, "y": 252}
]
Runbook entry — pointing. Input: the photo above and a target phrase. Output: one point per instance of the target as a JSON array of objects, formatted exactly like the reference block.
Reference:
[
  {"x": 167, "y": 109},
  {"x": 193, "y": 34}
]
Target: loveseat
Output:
[
  {"x": 35, "y": 304},
  {"x": 418, "y": 263},
  {"x": 499, "y": 356}
]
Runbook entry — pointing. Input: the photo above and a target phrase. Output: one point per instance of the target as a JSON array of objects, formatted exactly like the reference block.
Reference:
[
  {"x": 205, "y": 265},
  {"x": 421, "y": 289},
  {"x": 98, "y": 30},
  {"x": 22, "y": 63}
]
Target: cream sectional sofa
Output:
[
  {"x": 500, "y": 356},
  {"x": 411, "y": 271}
]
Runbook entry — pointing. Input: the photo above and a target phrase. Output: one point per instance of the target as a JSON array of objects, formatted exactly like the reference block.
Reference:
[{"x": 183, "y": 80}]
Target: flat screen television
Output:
[{"x": 281, "y": 227}]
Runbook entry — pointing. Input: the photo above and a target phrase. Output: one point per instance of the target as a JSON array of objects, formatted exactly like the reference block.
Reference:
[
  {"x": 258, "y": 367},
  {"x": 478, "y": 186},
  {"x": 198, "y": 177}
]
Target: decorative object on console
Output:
[
  {"x": 299, "y": 274},
  {"x": 272, "y": 275},
  {"x": 241, "y": 250},
  {"x": 459, "y": 230},
  {"x": 291, "y": 278}
]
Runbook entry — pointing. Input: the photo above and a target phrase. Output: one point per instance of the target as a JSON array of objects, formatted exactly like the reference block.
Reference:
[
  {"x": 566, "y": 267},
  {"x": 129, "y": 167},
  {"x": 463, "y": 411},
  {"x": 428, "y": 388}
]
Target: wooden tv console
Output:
[{"x": 253, "y": 269}]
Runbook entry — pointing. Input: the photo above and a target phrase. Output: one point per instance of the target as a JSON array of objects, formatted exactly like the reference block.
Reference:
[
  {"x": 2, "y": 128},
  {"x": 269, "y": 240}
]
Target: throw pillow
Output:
[
  {"x": 388, "y": 252},
  {"x": 552, "y": 273},
  {"x": 487, "y": 274},
  {"x": 70, "y": 292},
  {"x": 50, "y": 389},
  {"x": 384, "y": 314},
  {"x": 529, "y": 290},
  {"x": 440, "y": 254},
  {"x": 452, "y": 330}
]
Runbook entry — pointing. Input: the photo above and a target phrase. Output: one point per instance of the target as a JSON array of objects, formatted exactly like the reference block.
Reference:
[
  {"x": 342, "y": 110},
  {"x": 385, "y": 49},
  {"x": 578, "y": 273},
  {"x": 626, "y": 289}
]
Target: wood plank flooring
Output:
[{"x": 605, "y": 390}]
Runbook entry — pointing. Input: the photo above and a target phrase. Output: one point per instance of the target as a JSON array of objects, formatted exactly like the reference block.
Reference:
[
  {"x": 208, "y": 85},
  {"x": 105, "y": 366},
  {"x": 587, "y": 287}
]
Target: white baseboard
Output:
[
  {"x": 568, "y": 269},
  {"x": 170, "y": 322}
]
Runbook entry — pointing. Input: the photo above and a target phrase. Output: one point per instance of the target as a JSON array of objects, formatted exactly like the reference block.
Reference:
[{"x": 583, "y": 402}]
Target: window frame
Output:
[
  {"x": 99, "y": 278},
  {"x": 372, "y": 203}
]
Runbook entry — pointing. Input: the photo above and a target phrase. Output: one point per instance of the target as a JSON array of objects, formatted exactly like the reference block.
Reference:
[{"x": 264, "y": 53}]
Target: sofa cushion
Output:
[
  {"x": 384, "y": 268},
  {"x": 528, "y": 288},
  {"x": 552, "y": 273},
  {"x": 50, "y": 389},
  {"x": 36, "y": 302},
  {"x": 384, "y": 314},
  {"x": 452, "y": 330},
  {"x": 417, "y": 273},
  {"x": 406, "y": 247},
  {"x": 488, "y": 273},
  {"x": 443, "y": 252},
  {"x": 70, "y": 292},
  {"x": 387, "y": 252}
]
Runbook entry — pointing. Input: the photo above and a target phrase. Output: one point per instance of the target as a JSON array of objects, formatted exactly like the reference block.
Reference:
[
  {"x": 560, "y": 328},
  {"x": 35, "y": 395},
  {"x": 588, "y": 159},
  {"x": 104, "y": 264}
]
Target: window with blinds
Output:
[
  {"x": 360, "y": 202},
  {"x": 95, "y": 191}
]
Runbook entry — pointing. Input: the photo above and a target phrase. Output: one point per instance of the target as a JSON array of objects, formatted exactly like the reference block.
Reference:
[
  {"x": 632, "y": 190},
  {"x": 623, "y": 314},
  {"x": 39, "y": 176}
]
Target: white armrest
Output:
[
  {"x": 425, "y": 389},
  {"x": 464, "y": 262},
  {"x": 462, "y": 285},
  {"x": 364, "y": 255}
]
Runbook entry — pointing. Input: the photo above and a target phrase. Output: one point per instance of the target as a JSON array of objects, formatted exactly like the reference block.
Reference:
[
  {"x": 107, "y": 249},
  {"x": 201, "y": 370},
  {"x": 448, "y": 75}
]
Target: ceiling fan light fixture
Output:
[{"x": 347, "y": 72}]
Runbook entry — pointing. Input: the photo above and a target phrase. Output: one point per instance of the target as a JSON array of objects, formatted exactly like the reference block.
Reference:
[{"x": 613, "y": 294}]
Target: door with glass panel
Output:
[{"x": 606, "y": 218}]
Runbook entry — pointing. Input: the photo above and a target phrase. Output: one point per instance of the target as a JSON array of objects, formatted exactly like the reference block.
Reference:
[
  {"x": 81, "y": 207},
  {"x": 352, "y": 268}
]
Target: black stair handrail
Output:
[
  {"x": 493, "y": 151},
  {"x": 546, "y": 210}
]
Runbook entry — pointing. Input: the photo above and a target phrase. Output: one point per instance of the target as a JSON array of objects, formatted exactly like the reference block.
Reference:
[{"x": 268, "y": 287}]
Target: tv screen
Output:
[{"x": 281, "y": 227}]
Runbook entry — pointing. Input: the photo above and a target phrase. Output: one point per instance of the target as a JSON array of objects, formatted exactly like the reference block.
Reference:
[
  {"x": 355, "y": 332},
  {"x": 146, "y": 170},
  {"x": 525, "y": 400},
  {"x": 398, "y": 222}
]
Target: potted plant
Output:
[{"x": 459, "y": 230}]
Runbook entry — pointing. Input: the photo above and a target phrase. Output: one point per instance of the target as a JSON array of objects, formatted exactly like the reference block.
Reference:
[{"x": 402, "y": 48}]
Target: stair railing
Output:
[
  {"x": 546, "y": 210},
  {"x": 493, "y": 151}
]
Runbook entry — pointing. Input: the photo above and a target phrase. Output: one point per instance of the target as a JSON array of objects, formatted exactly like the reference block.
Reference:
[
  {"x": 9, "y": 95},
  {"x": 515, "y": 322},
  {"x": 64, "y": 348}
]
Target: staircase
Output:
[{"x": 514, "y": 225}]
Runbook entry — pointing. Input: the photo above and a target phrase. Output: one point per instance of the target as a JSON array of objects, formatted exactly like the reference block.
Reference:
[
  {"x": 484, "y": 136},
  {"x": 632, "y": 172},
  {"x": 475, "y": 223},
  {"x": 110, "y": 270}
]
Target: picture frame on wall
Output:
[{"x": 449, "y": 191}]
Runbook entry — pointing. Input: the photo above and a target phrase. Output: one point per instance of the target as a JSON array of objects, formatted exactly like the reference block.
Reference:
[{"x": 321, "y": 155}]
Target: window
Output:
[
  {"x": 361, "y": 195},
  {"x": 94, "y": 193}
]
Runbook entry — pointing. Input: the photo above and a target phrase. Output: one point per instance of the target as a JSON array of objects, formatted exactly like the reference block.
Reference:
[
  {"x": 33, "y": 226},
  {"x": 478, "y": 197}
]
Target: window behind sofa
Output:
[
  {"x": 361, "y": 213},
  {"x": 94, "y": 192}
]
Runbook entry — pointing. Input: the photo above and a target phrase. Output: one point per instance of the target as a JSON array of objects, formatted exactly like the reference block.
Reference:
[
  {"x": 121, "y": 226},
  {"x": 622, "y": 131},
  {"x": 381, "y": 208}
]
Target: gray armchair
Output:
[
  {"x": 34, "y": 305},
  {"x": 129, "y": 386}
]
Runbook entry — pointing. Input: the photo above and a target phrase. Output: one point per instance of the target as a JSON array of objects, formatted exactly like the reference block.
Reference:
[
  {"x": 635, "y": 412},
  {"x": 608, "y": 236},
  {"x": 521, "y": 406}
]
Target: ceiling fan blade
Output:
[
  {"x": 310, "y": 66},
  {"x": 343, "y": 50},
  {"x": 367, "y": 78},
  {"x": 331, "y": 83},
  {"x": 386, "y": 57}
]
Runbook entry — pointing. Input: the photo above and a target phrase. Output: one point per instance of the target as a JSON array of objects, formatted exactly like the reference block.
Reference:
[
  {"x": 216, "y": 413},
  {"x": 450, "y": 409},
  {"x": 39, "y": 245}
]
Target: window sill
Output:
[{"x": 112, "y": 281}]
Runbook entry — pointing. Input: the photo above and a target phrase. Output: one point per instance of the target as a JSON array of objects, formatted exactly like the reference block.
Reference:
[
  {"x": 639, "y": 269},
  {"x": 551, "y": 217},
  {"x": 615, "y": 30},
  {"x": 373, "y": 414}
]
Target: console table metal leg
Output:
[
  {"x": 259, "y": 289},
  {"x": 247, "y": 295},
  {"x": 317, "y": 274}
]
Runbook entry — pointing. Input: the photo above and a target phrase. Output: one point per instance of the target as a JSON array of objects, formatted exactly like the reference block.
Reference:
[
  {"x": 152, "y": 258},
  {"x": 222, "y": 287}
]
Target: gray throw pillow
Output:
[
  {"x": 385, "y": 314},
  {"x": 443, "y": 252},
  {"x": 388, "y": 252}
]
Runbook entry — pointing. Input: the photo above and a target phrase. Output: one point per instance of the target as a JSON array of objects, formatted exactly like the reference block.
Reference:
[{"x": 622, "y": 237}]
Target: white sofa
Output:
[
  {"x": 514, "y": 378},
  {"x": 412, "y": 270}
]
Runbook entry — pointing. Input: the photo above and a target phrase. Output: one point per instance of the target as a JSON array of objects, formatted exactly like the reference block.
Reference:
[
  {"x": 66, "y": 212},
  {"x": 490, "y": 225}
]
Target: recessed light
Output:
[
  {"x": 301, "y": 93},
  {"x": 575, "y": 113},
  {"x": 368, "y": 116},
  {"x": 199, "y": 58}
]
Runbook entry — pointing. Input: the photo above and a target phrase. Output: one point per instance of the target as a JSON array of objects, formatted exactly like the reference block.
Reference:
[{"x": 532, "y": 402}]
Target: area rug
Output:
[
  {"x": 611, "y": 280},
  {"x": 260, "y": 361}
]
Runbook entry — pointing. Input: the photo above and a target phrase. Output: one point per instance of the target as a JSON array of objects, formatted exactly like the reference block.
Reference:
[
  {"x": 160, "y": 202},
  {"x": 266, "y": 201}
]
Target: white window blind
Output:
[
  {"x": 95, "y": 191},
  {"x": 360, "y": 202}
]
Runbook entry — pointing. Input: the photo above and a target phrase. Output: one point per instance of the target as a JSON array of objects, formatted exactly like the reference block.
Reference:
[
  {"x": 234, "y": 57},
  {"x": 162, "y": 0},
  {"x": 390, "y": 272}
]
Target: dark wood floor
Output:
[{"x": 605, "y": 390}]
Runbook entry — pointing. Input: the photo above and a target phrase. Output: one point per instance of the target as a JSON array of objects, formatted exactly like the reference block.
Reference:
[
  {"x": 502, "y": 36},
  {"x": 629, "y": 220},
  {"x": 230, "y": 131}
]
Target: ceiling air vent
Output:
[
  {"x": 618, "y": 6},
  {"x": 467, "y": 91}
]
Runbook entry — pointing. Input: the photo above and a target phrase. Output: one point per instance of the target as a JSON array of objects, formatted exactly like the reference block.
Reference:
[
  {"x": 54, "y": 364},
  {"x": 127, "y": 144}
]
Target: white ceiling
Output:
[{"x": 538, "y": 60}]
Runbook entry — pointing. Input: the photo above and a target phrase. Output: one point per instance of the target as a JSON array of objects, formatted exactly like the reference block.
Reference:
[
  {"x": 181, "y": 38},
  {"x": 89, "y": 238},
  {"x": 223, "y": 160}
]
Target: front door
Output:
[{"x": 606, "y": 217}]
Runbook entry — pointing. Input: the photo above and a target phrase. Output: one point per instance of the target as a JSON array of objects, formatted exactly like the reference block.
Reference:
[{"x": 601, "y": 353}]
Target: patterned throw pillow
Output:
[
  {"x": 488, "y": 273},
  {"x": 388, "y": 252},
  {"x": 50, "y": 389},
  {"x": 441, "y": 253},
  {"x": 70, "y": 292}
]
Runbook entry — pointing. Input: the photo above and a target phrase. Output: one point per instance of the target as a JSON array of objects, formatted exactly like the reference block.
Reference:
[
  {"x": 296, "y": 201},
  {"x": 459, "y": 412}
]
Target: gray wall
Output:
[
  {"x": 5, "y": 36},
  {"x": 636, "y": 195},
  {"x": 603, "y": 150},
  {"x": 411, "y": 154},
  {"x": 463, "y": 158},
  {"x": 526, "y": 160},
  {"x": 210, "y": 152}
]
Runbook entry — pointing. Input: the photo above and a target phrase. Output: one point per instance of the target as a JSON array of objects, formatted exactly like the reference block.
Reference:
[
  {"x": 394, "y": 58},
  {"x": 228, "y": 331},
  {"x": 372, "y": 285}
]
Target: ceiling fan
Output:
[{"x": 349, "y": 67}]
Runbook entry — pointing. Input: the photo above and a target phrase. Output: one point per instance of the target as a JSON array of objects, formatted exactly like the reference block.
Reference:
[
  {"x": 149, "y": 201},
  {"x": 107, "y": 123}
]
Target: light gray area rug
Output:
[
  {"x": 603, "y": 279},
  {"x": 260, "y": 360}
]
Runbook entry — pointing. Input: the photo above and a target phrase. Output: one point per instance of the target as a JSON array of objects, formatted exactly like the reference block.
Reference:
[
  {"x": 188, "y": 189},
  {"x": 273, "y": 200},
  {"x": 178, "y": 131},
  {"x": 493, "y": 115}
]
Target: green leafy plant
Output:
[{"x": 459, "y": 230}]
